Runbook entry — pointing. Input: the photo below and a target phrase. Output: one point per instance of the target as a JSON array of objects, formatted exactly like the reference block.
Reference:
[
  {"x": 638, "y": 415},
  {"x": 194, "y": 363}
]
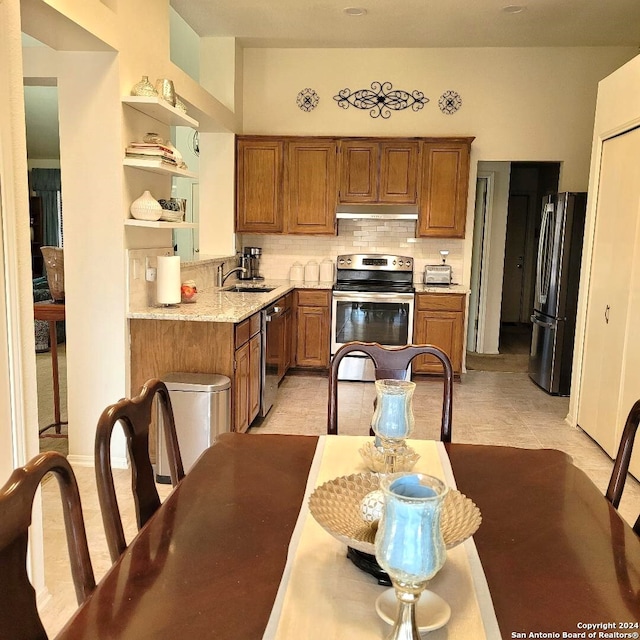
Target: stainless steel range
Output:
[{"x": 373, "y": 302}]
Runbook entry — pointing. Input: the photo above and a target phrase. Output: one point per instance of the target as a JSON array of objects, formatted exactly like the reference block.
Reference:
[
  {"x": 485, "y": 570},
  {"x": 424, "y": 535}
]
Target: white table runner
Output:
[{"x": 323, "y": 595}]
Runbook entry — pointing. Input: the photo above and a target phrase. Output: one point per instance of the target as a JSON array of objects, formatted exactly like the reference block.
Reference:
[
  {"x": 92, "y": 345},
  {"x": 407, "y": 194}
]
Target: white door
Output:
[{"x": 609, "y": 290}]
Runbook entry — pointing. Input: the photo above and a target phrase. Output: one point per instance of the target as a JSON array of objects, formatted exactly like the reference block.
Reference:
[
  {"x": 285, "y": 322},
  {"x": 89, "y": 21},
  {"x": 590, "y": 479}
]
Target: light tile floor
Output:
[{"x": 489, "y": 408}]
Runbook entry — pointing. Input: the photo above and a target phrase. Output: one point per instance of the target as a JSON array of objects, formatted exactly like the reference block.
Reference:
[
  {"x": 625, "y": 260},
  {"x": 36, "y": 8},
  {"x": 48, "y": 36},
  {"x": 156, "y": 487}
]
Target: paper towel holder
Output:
[{"x": 168, "y": 282}]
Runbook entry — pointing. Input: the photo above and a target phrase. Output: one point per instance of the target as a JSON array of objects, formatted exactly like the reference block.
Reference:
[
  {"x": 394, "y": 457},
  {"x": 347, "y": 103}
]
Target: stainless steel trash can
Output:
[{"x": 201, "y": 409}]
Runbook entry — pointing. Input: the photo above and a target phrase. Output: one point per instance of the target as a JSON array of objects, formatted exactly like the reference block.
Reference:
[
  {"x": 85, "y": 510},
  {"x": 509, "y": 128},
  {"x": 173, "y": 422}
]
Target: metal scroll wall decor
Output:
[
  {"x": 308, "y": 100},
  {"x": 449, "y": 102},
  {"x": 381, "y": 99}
]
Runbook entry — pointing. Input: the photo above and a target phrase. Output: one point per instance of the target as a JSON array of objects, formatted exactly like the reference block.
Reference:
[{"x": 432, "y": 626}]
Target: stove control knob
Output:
[
  {"x": 348, "y": 260},
  {"x": 393, "y": 263},
  {"x": 400, "y": 263},
  {"x": 341, "y": 261},
  {"x": 408, "y": 263}
]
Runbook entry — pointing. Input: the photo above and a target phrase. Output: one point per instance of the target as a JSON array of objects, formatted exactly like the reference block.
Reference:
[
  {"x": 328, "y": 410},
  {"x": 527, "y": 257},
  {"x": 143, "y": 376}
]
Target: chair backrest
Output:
[
  {"x": 623, "y": 457},
  {"x": 135, "y": 416},
  {"x": 392, "y": 363},
  {"x": 19, "y": 619}
]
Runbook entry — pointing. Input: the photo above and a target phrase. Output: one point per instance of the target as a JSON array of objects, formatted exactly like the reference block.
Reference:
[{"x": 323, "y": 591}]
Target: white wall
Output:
[
  {"x": 613, "y": 116},
  {"x": 18, "y": 399}
]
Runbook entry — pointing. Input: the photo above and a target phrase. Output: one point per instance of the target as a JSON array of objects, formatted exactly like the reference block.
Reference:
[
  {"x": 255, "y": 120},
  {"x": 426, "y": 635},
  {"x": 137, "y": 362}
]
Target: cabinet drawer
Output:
[
  {"x": 254, "y": 324},
  {"x": 439, "y": 302},
  {"x": 313, "y": 298},
  {"x": 243, "y": 332},
  {"x": 246, "y": 329}
]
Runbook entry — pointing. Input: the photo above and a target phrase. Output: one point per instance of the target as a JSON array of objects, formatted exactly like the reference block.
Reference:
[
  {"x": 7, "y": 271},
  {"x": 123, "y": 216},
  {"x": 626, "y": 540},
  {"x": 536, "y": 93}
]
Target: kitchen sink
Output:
[{"x": 243, "y": 288}]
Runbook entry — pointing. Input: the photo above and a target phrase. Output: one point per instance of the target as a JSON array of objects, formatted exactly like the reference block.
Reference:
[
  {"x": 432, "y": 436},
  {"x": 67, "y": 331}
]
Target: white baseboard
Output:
[{"x": 88, "y": 461}]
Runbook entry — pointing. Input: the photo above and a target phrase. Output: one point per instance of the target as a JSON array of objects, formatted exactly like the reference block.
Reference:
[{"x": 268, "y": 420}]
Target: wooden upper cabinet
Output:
[
  {"x": 259, "y": 166},
  {"x": 310, "y": 187},
  {"x": 444, "y": 188},
  {"x": 379, "y": 171},
  {"x": 358, "y": 171},
  {"x": 398, "y": 180}
]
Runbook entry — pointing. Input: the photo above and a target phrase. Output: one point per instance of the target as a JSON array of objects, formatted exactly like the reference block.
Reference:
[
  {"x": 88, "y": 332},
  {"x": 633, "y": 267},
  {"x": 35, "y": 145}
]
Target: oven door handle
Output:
[{"x": 368, "y": 296}]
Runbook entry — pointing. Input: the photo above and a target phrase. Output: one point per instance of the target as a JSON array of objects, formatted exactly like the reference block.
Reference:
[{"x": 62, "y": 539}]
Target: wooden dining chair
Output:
[
  {"x": 623, "y": 457},
  {"x": 392, "y": 363},
  {"x": 135, "y": 416},
  {"x": 19, "y": 619}
]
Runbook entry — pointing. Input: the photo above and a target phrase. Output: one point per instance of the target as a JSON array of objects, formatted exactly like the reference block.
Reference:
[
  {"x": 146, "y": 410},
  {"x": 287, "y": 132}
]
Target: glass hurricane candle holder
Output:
[
  {"x": 409, "y": 543},
  {"x": 393, "y": 418}
]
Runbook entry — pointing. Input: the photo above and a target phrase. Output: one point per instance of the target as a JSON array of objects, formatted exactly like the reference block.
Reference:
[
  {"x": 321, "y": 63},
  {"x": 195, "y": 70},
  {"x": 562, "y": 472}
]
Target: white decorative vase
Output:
[{"x": 146, "y": 207}]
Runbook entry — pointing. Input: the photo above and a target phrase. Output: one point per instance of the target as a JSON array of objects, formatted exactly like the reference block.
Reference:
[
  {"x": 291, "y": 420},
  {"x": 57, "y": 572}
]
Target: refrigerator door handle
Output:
[
  {"x": 542, "y": 323},
  {"x": 542, "y": 266}
]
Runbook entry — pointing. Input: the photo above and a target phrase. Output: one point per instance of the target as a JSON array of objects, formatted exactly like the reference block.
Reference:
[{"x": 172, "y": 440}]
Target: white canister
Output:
[
  {"x": 326, "y": 270},
  {"x": 296, "y": 273},
  {"x": 311, "y": 272}
]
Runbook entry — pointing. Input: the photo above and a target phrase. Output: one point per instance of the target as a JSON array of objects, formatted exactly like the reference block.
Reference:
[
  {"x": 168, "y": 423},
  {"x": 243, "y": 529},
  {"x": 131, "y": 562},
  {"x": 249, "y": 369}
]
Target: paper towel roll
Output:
[{"x": 168, "y": 280}]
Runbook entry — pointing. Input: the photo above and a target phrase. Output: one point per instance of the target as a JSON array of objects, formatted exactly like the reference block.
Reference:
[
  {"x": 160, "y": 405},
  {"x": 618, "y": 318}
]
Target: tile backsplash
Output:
[{"x": 396, "y": 237}]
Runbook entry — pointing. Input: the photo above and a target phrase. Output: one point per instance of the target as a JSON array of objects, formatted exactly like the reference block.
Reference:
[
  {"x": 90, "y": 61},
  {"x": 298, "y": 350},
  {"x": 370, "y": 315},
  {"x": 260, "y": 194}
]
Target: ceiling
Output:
[{"x": 416, "y": 23}]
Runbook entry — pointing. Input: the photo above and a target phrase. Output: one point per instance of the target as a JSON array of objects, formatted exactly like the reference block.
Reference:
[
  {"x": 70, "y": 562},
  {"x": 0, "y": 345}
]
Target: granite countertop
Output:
[
  {"x": 453, "y": 288},
  {"x": 218, "y": 305}
]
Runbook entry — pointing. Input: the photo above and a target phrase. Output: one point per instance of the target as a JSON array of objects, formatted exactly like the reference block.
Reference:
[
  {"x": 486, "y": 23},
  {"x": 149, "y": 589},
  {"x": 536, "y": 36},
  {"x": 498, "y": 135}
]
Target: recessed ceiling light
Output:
[
  {"x": 513, "y": 8},
  {"x": 355, "y": 11}
]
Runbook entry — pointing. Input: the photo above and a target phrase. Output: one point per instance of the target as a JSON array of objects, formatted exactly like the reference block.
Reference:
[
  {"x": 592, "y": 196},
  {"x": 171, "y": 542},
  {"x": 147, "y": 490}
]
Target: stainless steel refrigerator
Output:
[{"x": 556, "y": 291}]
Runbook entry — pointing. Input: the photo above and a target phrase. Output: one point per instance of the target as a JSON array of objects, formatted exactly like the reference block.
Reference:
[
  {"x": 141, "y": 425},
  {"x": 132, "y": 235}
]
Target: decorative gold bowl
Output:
[
  {"x": 374, "y": 458},
  {"x": 336, "y": 507}
]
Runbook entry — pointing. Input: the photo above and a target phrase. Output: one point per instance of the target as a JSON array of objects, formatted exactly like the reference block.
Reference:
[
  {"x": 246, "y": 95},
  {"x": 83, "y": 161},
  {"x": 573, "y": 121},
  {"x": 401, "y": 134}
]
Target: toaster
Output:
[{"x": 437, "y": 275}]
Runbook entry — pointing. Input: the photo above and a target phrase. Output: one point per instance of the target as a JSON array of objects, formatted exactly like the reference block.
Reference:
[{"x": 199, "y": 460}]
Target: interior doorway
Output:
[
  {"x": 43, "y": 160},
  {"x": 530, "y": 182},
  {"x": 506, "y": 230}
]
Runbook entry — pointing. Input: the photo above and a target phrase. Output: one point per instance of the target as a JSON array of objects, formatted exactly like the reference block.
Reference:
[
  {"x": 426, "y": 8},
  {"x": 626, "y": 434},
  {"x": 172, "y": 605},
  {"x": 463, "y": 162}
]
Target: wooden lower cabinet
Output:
[
  {"x": 313, "y": 328},
  {"x": 439, "y": 320},
  {"x": 246, "y": 379}
]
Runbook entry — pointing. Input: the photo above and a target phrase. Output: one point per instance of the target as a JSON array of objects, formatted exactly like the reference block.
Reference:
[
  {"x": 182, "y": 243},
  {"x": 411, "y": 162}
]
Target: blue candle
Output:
[
  {"x": 409, "y": 544},
  {"x": 393, "y": 417}
]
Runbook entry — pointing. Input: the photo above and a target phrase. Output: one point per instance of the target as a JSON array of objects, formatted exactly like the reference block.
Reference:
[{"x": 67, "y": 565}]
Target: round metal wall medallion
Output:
[
  {"x": 450, "y": 102},
  {"x": 307, "y": 100}
]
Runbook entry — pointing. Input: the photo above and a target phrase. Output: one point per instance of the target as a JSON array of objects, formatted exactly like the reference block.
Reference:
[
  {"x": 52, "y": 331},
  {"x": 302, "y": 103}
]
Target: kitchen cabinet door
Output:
[
  {"x": 310, "y": 187},
  {"x": 358, "y": 171},
  {"x": 312, "y": 328},
  {"x": 398, "y": 181},
  {"x": 241, "y": 388},
  {"x": 286, "y": 346},
  {"x": 259, "y": 169},
  {"x": 381, "y": 172},
  {"x": 313, "y": 337},
  {"x": 255, "y": 367},
  {"x": 444, "y": 188},
  {"x": 439, "y": 320}
]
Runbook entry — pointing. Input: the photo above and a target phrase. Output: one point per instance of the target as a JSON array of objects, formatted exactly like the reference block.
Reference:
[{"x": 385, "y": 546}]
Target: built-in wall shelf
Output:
[
  {"x": 157, "y": 166},
  {"x": 160, "y": 110},
  {"x": 159, "y": 224}
]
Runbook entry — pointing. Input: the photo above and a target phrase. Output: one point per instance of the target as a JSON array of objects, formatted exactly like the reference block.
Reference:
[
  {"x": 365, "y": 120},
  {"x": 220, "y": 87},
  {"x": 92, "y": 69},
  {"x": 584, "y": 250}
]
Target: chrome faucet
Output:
[{"x": 221, "y": 276}]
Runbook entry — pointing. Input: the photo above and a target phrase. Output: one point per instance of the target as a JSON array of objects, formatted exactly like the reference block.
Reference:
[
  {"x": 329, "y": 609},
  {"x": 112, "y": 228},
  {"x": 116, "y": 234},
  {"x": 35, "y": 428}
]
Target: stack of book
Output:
[{"x": 151, "y": 151}]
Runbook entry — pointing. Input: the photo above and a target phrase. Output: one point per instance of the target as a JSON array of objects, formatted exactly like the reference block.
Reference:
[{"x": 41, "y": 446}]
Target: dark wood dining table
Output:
[{"x": 208, "y": 564}]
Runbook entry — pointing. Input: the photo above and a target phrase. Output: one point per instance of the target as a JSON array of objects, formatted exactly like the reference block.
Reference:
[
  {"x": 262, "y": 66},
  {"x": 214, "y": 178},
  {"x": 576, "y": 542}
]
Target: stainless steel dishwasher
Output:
[{"x": 272, "y": 345}]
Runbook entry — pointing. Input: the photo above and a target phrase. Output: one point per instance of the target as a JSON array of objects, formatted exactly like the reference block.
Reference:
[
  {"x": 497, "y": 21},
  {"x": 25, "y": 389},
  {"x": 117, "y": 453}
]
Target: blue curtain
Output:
[{"x": 46, "y": 184}]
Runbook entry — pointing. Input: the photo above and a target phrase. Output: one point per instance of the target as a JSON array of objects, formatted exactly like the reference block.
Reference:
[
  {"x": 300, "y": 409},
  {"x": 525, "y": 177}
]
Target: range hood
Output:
[{"x": 377, "y": 211}]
